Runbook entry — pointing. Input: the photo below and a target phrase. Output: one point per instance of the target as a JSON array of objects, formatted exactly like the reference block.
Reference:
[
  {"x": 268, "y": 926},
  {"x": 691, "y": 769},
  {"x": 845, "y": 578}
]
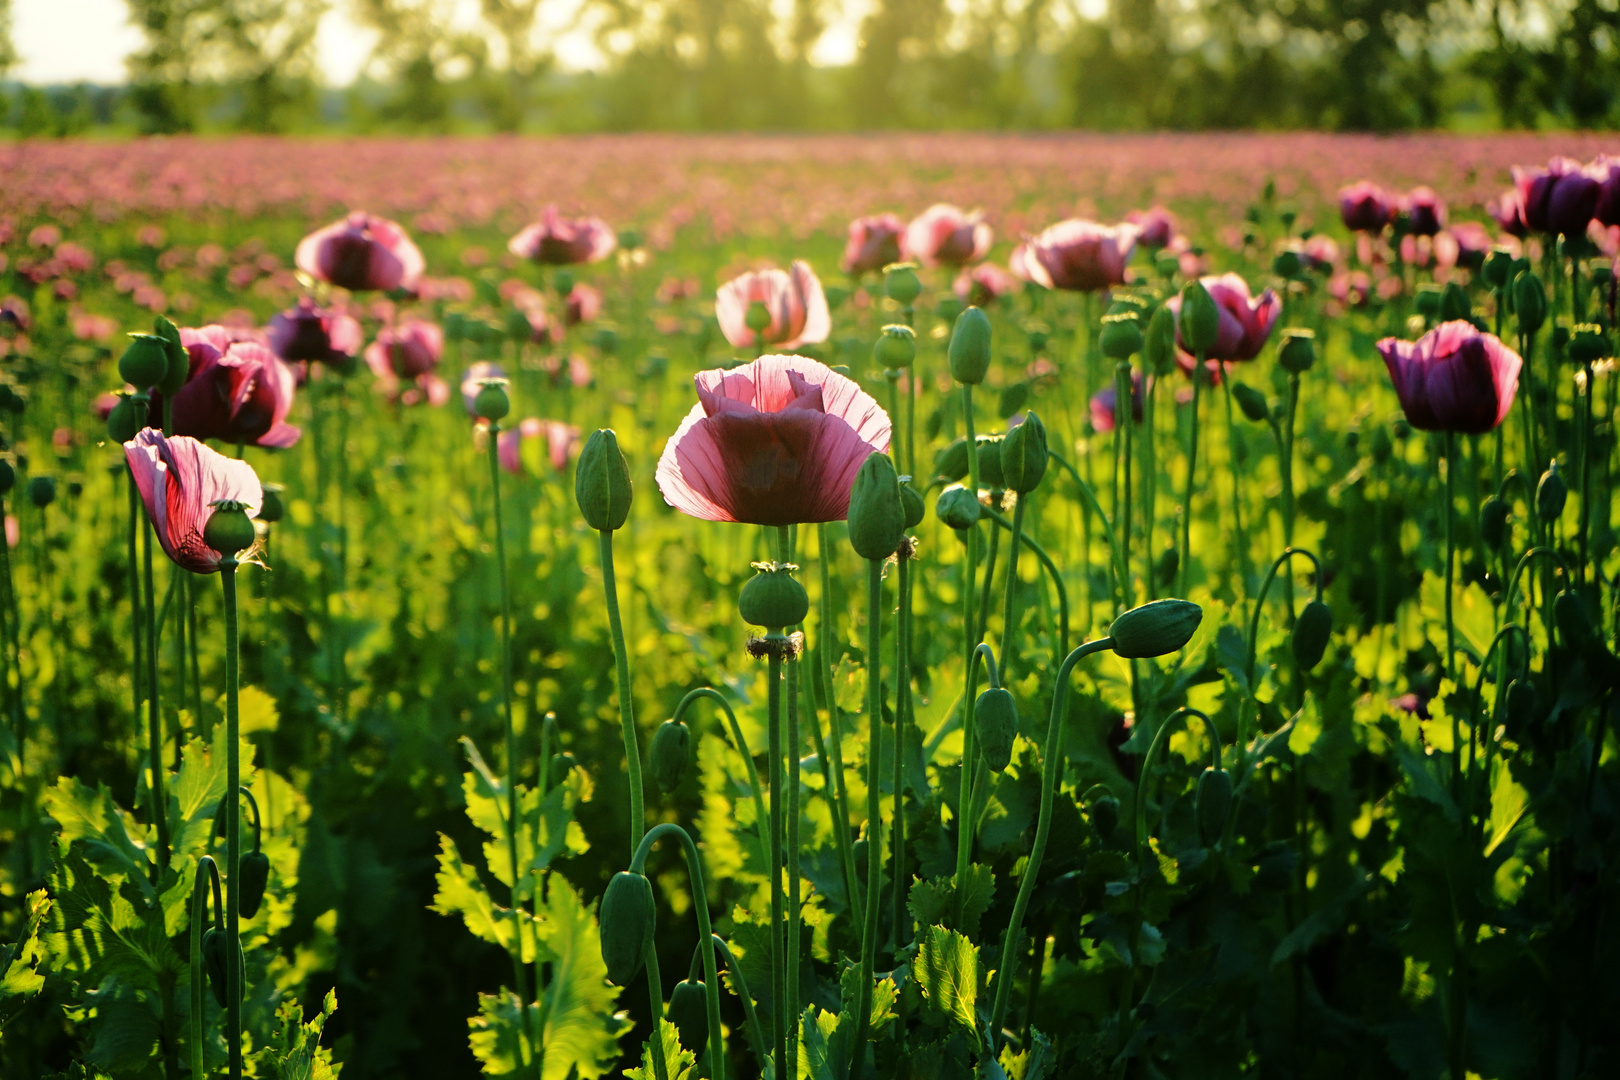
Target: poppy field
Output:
[{"x": 832, "y": 607}]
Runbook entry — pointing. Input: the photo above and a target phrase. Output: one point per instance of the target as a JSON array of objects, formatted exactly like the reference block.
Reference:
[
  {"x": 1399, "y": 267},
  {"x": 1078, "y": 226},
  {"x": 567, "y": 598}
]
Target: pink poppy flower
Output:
[
  {"x": 1365, "y": 207},
  {"x": 1453, "y": 378},
  {"x": 943, "y": 234},
  {"x": 237, "y": 391},
  {"x": 558, "y": 241},
  {"x": 774, "y": 442},
  {"x": 1154, "y": 228},
  {"x": 1018, "y": 263},
  {"x": 1606, "y": 170},
  {"x": 1507, "y": 210},
  {"x": 361, "y": 252},
  {"x": 1560, "y": 199},
  {"x": 1320, "y": 252},
  {"x": 104, "y": 404},
  {"x": 308, "y": 334},
  {"x": 798, "y": 309},
  {"x": 874, "y": 242},
  {"x": 1423, "y": 212},
  {"x": 583, "y": 305},
  {"x": 561, "y": 441},
  {"x": 1246, "y": 321},
  {"x": 983, "y": 283},
  {"x": 180, "y": 480},
  {"x": 1080, "y": 255},
  {"x": 407, "y": 351},
  {"x": 1473, "y": 243}
]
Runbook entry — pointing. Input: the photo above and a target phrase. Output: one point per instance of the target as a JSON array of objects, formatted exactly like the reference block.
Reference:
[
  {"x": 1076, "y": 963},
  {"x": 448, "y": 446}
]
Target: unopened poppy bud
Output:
[
  {"x": 41, "y": 490},
  {"x": 900, "y": 283},
  {"x": 630, "y": 239},
  {"x": 229, "y": 529},
  {"x": 627, "y": 919},
  {"x": 758, "y": 317},
  {"x": 1159, "y": 343},
  {"x": 911, "y": 503},
  {"x": 958, "y": 507},
  {"x": 217, "y": 950},
  {"x": 1523, "y": 708},
  {"x": 1498, "y": 266},
  {"x": 1212, "y": 803},
  {"x": 1037, "y": 341},
  {"x": 179, "y": 366},
  {"x": 773, "y": 598},
  {"x": 877, "y": 520},
  {"x": 1251, "y": 401},
  {"x": 952, "y": 461},
  {"x": 1312, "y": 630},
  {"x": 255, "y": 876},
  {"x": 1103, "y": 807},
  {"x": 669, "y": 754},
  {"x": 990, "y": 472},
  {"x": 1551, "y": 493},
  {"x": 1569, "y": 613},
  {"x": 1287, "y": 263},
  {"x": 995, "y": 717},
  {"x": 1454, "y": 303},
  {"x": 1024, "y": 455},
  {"x": 896, "y": 347},
  {"x": 1200, "y": 321},
  {"x": 1588, "y": 344},
  {"x": 1121, "y": 336},
  {"x": 127, "y": 418},
  {"x": 563, "y": 281},
  {"x": 145, "y": 362},
  {"x": 1164, "y": 569},
  {"x": 491, "y": 402},
  {"x": 1529, "y": 302},
  {"x": 1493, "y": 517},
  {"x": 1155, "y": 628},
  {"x": 272, "y": 509},
  {"x": 1298, "y": 350},
  {"x": 602, "y": 482},
  {"x": 1427, "y": 301},
  {"x": 689, "y": 1012},
  {"x": 970, "y": 347}
]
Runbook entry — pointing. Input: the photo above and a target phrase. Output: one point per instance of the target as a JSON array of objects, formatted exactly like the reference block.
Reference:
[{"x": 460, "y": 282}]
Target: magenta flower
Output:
[
  {"x": 981, "y": 284},
  {"x": 1558, "y": 200},
  {"x": 1473, "y": 243},
  {"x": 943, "y": 234},
  {"x": 583, "y": 305},
  {"x": 1507, "y": 210},
  {"x": 1606, "y": 170},
  {"x": 310, "y": 335},
  {"x": 1154, "y": 228},
  {"x": 361, "y": 252},
  {"x": 1246, "y": 321},
  {"x": 874, "y": 242},
  {"x": 774, "y": 442},
  {"x": 1104, "y": 402},
  {"x": 1453, "y": 378},
  {"x": 407, "y": 351},
  {"x": 558, "y": 241},
  {"x": 1423, "y": 212},
  {"x": 799, "y": 313},
  {"x": 180, "y": 480},
  {"x": 1080, "y": 255},
  {"x": 1365, "y": 207},
  {"x": 236, "y": 391}
]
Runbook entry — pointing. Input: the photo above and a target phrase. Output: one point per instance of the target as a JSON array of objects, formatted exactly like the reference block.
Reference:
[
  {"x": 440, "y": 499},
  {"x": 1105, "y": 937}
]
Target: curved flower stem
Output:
[
  {"x": 1254, "y": 633},
  {"x": 137, "y": 616},
  {"x": 892, "y": 377},
  {"x": 1052, "y": 573},
  {"x": 1009, "y": 612},
  {"x": 1150, "y": 483},
  {"x": 621, "y": 667},
  {"x": 989, "y": 574},
  {"x": 1115, "y": 574},
  {"x": 1123, "y": 436},
  {"x": 902, "y": 717},
  {"x": 706, "y": 937},
  {"x": 1235, "y": 462},
  {"x": 751, "y": 1017},
  {"x": 762, "y": 816},
  {"x": 233, "y": 822},
  {"x": 1519, "y": 568},
  {"x": 776, "y": 645},
  {"x": 1473, "y": 711},
  {"x": 1198, "y": 376},
  {"x": 874, "y": 806},
  {"x": 833, "y": 759},
  {"x": 1012, "y": 944},
  {"x": 199, "y": 915},
  {"x": 154, "y": 719}
]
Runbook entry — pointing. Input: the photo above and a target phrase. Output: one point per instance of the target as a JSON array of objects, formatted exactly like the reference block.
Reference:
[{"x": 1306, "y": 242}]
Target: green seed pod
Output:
[
  {"x": 41, "y": 490},
  {"x": 1551, "y": 494},
  {"x": 689, "y": 1012},
  {"x": 1103, "y": 807},
  {"x": 1493, "y": 515},
  {"x": 952, "y": 461},
  {"x": 1573, "y": 624},
  {"x": 1498, "y": 265},
  {"x": 126, "y": 419},
  {"x": 628, "y": 916},
  {"x": 1523, "y": 707},
  {"x": 911, "y": 503},
  {"x": 179, "y": 367},
  {"x": 1588, "y": 344},
  {"x": 229, "y": 529},
  {"x": 630, "y": 239},
  {"x": 1298, "y": 350},
  {"x": 1037, "y": 340},
  {"x": 271, "y": 508},
  {"x": 1024, "y": 455},
  {"x": 995, "y": 716},
  {"x": 1200, "y": 323},
  {"x": 561, "y": 765},
  {"x": 1155, "y": 628},
  {"x": 877, "y": 520},
  {"x": 1121, "y": 336},
  {"x": 602, "y": 482},
  {"x": 896, "y": 347},
  {"x": 217, "y": 947},
  {"x": 1427, "y": 302},
  {"x": 1159, "y": 343},
  {"x": 1287, "y": 263},
  {"x": 1212, "y": 803},
  {"x": 1252, "y": 402},
  {"x": 774, "y": 599},
  {"x": 670, "y": 751},
  {"x": 970, "y": 347},
  {"x": 900, "y": 283},
  {"x": 563, "y": 281},
  {"x": 958, "y": 507},
  {"x": 1312, "y": 630},
  {"x": 1454, "y": 303},
  {"x": 255, "y": 871},
  {"x": 1529, "y": 302},
  {"x": 491, "y": 402},
  {"x": 145, "y": 362}
]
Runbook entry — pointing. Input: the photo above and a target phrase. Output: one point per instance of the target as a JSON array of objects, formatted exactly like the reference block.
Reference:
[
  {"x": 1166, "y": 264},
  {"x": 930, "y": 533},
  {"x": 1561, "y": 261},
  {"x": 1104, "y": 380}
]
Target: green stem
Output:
[
  {"x": 1052, "y": 573},
  {"x": 795, "y": 932},
  {"x": 1198, "y": 377},
  {"x": 154, "y": 719},
  {"x": 1451, "y": 631},
  {"x": 834, "y": 759},
  {"x": 233, "y": 823},
  {"x": 902, "y": 717},
  {"x": 199, "y": 915},
  {"x": 751, "y": 1016},
  {"x": 874, "y": 808},
  {"x": 970, "y": 642},
  {"x": 1123, "y": 423},
  {"x": 777, "y": 644},
  {"x": 621, "y": 667},
  {"x": 1150, "y": 481},
  {"x": 1254, "y": 633},
  {"x": 1089, "y": 498},
  {"x": 1010, "y": 609},
  {"x": 761, "y": 815},
  {"x": 1235, "y": 462}
]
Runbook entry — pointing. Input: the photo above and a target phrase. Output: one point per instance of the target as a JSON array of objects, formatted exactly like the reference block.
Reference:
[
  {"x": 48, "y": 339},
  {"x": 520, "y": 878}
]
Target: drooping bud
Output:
[
  {"x": 491, "y": 402},
  {"x": 1312, "y": 630},
  {"x": 1493, "y": 515},
  {"x": 145, "y": 362},
  {"x": 1121, "y": 336},
  {"x": 773, "y": 598},
  {"x": 1159, "y": 344},
  {"x": 1200, "y": 322},
  {"x": 670, "y": 751},
  {"x": 970, "y": 347},
  {"x": 254, "y": 869},
  {"x": 951, "y": 462},
  {"x": 229, "y": 529},
  {"x": 1024, "y": 455},
  {"x": 911, "y": 503},
  {"x": 1529, "y": 302},
  {"x": 1103, "y": 807},
  {"x": 900, "y": 283},
  {"x": 602, "y": 482},
  {"x": 272, "y": 508},
  {"x": 1298, "y": 350},
  {"x": 126, "y": 419},
  {"x": 877, "y": 520},
  {"x": 627, "y": 919},
  {"x": 1251, "y": 401},
  {"x": 1212, "y": 803},
  {"x": 689, "y": 1012},
  {"x": 41, "y": 490},
  {"x": 1551, "y": 494},
  {"x": 215, "y": 946},
  {"x": 1155, "y": 628},
  {"x": 995, "y": 716},
  {"x": 1574, "y": 625},
  {"x": 896, "y": 347},
  {"x": 1523, "y": 708},
  {"x": 179, "y": 366},
  {"x": 958, "y": 507}
]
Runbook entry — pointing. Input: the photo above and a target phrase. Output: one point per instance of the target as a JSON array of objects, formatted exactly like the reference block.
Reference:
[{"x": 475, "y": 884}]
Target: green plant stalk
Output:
[
  {"x": 750, "y": 1015},
  {"x": 1254, "y": 637},
  {"x": 776, "y": 643},
  {"x": 621, "y": 667},
  {"x": 233, "y": 822},
  {"x": 1123, "y": 422},
  {"x": 1089, "y": 498},
  {"x": 911, "y": 414},
  {"x": 154, "y": 719},
  {"x": 1012, "y": 943},
  {"x": 1451, "y": 553},
  {"x": 1586, "y": 464},
  {"x": 178, "y": 584},
  {"x": 761, "y": 815},
  {"x": 970, "y": 642},
  {"x": 342, "y": 638},
  {"x": 874, "y": 806},
  {"x": 795, "y": 933},
  {"x": 191, "y": 640},
  {"x": 1052, "y": 573},
  {"x": 1234, "y": 444},
  {"x": 892, "y": 377},
  {"x": 833, "y": 759},
  {"x": 1484, "y": 788},
  {"x": 1009, "y": 613},
  {"x": 137, "y": 618},
  {"x": 199, "y": 915},
  {"x": 1199, "y": 374},
  {"x": 1532, "y": 442},
  {"x": 902, "y": 717},
  {"x": 655, "y": 999},
  {"x": 1150, "y": 481},
  {"x": 989, "y": 575}
]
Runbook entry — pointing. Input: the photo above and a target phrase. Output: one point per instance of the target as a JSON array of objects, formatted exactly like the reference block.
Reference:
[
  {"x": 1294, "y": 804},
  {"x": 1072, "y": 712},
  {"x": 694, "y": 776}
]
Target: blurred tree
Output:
[
  {"x": 269, "y": 47},
  {"x": 514, "y": 23},
  {"x": 8, "y": 48},
  {"x": 416, "y": 55},
  {"x": 163, "y": 73}
]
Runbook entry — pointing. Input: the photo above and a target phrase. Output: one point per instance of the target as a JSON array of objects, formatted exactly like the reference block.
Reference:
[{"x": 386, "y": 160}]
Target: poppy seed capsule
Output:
[
  {"x": 255, "y": 876},
  {"x": 900, "y": 283},
  {"x": 1155, "y": 629},
  {"x": 1588, "y": 344},
  {"x": 1493, "y": 517},
  {"x": 896, "y": 347},
  {"x": 602, "y": 482},
  {"x": 1312, "y": 630},
  {"x": 948, "y": 307},
  {"x": 1212, "y": 803},
  {"x": 145, "y": 362},
  {"x": 1529, "y": 302},
  {"x": 563, "y": 281},
  {"x": 1551, "y": 493},
  {"x": 1024, "y": 455},
  {"x": 758, "y": 317},
  {"x": 957, "y": 507},
  {"x": 272, "y": 509},
  {"x": 1298, "y": 350},
  {"x": 995, "y": 716},
  {"x": 1570, "y": 616},
  {"x": 877, "y": 520},
  {"x": 1121, "y": 336},
  {"x": 229, "y": 529},
  {"x": 689, "y": 1012},
  {"x": 491, "y": 402},
  {"x": 627, "y": 920},
  {"x": 217, "y": 945},
  {"x": 669, "y": 754},
  {"x": 1200, "y": 322},
  {"x": 970, "y": 347},
  {"x": 42, "y": 491},
  {"x": 911, "y": 503},
  {"x": 127, "y": 418},
  {"x": 773, "y": 599},
  {"x": 1251, "y": 401}
]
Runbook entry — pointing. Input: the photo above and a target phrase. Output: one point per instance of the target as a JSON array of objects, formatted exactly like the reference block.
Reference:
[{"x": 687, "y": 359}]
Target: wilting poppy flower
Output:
[
  {"x": 1558, "y": 200},
  {"x": 180, "y": 480},
  {"x": 1606, "y": 171},
  {"x": 307, "y": 334},
  {"x": 1423, "y": 212},
  {"x": 1104, "y": 403},
  {"x": 1080, "y": 255},
  {"x": 874, "y": 242},
  {"x": 1246, "y": 321},
  {"x": 944, "y": 234},
  {"x": 1154, "y": 228},
  {"x": 1453, "y": 378},
  {"x": 1365, "y": 207},
  {"x": 1507, "y": 210},
  {"x": 237, "y": 391},
  {"x": 774, "y": 442},
  {"x": 793, "y": 297},
  {"x": 361, "y": 252},
  {"x": 981, "y": 284},
  {"x": 558, "y": 241}
]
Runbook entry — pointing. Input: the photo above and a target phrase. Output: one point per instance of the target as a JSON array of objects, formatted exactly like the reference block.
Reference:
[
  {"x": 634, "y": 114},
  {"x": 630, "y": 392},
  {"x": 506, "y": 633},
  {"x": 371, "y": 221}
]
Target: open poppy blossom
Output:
[
  {"x": 1080, "y": 255},
  {"x": 793, "y": 297},
  {"x": 1246, "y": 320},
  {"x": 361, "y": 253},
  {"x": 235, "y": 391},
  {"x": 558, "y": 241},
  {"x": 180, "y": 480},
  {"x": 774, "y": 442},
  {"x": 1454, "y": 378}
]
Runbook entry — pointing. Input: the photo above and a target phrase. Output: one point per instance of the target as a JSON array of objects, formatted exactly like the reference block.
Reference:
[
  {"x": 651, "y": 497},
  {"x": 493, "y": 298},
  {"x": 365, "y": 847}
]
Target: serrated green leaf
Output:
[
  {"x": 93, "y": 823},
  {"x": 849, "y": 686},
  {"x": 20, "y": 978},
  {"x": 579, "y": 1031},
  {"x": 678, "y": 1062},
  {"x": 297, "y": 1054},
  {"x": 933, "y": 903},
  {"x": 947, "y": 972}
]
